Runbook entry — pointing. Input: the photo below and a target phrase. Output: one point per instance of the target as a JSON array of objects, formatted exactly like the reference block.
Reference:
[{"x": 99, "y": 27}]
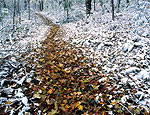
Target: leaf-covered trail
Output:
[{"x": 67, "y": 82}]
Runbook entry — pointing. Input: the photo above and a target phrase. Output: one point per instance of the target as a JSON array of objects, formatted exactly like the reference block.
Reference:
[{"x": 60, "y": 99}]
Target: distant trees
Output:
[
  {"x": 20, "y": 6},
  {"x": 4, "y": 3},
  {"x": 25, "y": 4},
  {"x": 67, "y": 6}
]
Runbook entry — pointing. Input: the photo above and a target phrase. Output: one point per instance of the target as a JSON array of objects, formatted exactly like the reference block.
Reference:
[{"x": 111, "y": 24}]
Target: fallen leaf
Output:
[
  {"x": 50, "y": 91},
  {"x": 80, "y": 107},
  {"x": 8, "y": 102}
]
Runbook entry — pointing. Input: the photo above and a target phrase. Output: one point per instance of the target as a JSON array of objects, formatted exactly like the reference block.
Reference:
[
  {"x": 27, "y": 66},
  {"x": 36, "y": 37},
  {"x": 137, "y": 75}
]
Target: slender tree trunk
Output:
[
  {"x": 118, "y": 5},
  {"x": 18, "y": 11},
  {"x": 88, "y": 6},
  {"x": 127, "y": 1},
  {"x": 35, "y": 6},
  {"x": 41, "y": 5},
  {"x": 67, "y": 15},
  {"x": 25, "y": 4},
  {"x": 4, "y": 4},
  {"x": 112, "y": 3},
  {"x": 94, "y": 5},
  {"x": 14, "y": 16},
  {"x": 0, "y": 11},
  {"x": 29, "y": 12}
]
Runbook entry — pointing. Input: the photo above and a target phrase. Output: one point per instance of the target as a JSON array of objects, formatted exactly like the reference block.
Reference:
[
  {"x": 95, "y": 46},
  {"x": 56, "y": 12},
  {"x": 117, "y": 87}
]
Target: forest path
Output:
[
  {"x": 70, "y": 75},
  {"x": 66, "y": 81},
  {"x": 53, "y": 27}
]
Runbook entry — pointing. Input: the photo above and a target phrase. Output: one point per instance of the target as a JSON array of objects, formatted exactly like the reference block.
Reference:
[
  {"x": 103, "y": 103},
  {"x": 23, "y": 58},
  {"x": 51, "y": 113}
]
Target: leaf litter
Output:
[{"x": 67, "y": 82}]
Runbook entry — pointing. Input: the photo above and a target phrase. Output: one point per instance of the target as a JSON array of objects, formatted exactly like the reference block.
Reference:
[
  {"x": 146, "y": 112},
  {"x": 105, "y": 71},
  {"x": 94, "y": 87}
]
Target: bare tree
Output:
[
  {"x": 127, "y": 1},
  {"x": 29, "y": 11},
  {"x": 67, "y": 6},
  {"x": 118, "y": 5},
  {"x": 0, "y": 11},
  {"x": 18, "y": 10},
  {"x": 41, "y": 5},
  {"x": 25, "y": 4},
  {"x": 14, "y": 15},
  {"x": 94, "y": 5},
  {"x": 4, "y": 4},
  {"x": 88, "y": 6},
  {"x": 112, "y": 4}
]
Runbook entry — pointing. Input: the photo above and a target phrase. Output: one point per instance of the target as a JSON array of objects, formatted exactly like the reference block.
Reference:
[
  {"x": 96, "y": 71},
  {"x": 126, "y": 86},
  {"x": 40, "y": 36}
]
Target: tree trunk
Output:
[
  {"x": 112, "y": 3},
  {"x": 118, "y": 5},
  {"x": 14, "y": 16},
  {"x": 67, "y": 15},
  {"x": 127, "y": 1},
  {"x": 0, "y": 11},
  {"x": 29, "y": 17},
  {"x": 18, "y": 11},
  {"x": 4, "y": 4},
  {"x": 88, "y": 6},
  {"x": 25, "y": 4},
  {"x": 41, "y": 5},
  {"x": 94, "y": 5}
]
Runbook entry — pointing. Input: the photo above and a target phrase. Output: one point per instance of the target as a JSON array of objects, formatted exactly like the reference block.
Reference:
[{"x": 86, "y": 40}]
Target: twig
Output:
[{"x": 125, "y": 108}]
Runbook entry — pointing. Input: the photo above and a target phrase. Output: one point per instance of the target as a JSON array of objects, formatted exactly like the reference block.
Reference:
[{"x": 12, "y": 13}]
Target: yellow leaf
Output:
[
  {"x": 60, "y": 65},
  {"x": 113, "y": 103},
  {"x": 42, "y": 59},
  {"x": 67, "y": 106},
  {"x": 45, "y": 109},
  {"x": 36, "y": 96},
  {"x": 65, "y": 101},
  {"x": 84, "y": 64},
  {"x": 8, "y": 102},
  {"x": 77, "y": 104},
  {"x": 79, "y": 93},
  {"x": 50, "y": 91},
  {"x": 39, "y": 66},
  {"x": 95, "y": 87},
  {"x": 80, "y": 107},
  {"x": 101, "y": 103},
  {"x": 47, "y": 78},
  {"x": 103, "y": 113}
]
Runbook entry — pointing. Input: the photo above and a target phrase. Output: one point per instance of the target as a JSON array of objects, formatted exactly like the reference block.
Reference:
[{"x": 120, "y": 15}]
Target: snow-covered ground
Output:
[{"x": 15, "y": 68}]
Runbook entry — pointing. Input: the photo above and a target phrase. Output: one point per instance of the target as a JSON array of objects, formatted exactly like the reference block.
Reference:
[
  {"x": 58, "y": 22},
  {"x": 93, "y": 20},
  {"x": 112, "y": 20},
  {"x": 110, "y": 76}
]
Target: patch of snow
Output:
[
  {"x": 132, "y": 70},
  {"x": 124, "y": 80},
  {"x": 25, "y": 101},
  {"x": 143, "y": 75}
]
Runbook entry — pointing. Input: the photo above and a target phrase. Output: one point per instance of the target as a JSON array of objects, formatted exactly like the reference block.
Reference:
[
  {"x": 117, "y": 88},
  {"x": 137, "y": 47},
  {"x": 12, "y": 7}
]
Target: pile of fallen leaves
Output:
[{"x": 67, "y": 82}]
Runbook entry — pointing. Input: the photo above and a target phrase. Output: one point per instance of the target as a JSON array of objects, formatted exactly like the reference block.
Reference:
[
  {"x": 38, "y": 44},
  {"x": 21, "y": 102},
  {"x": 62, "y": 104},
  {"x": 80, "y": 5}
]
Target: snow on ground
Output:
[{"x": 15, "y": 74}]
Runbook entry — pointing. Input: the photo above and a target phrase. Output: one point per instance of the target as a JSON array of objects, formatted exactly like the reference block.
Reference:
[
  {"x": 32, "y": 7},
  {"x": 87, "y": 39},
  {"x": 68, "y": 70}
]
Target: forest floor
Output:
[{"x": 82, "y": 67}]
